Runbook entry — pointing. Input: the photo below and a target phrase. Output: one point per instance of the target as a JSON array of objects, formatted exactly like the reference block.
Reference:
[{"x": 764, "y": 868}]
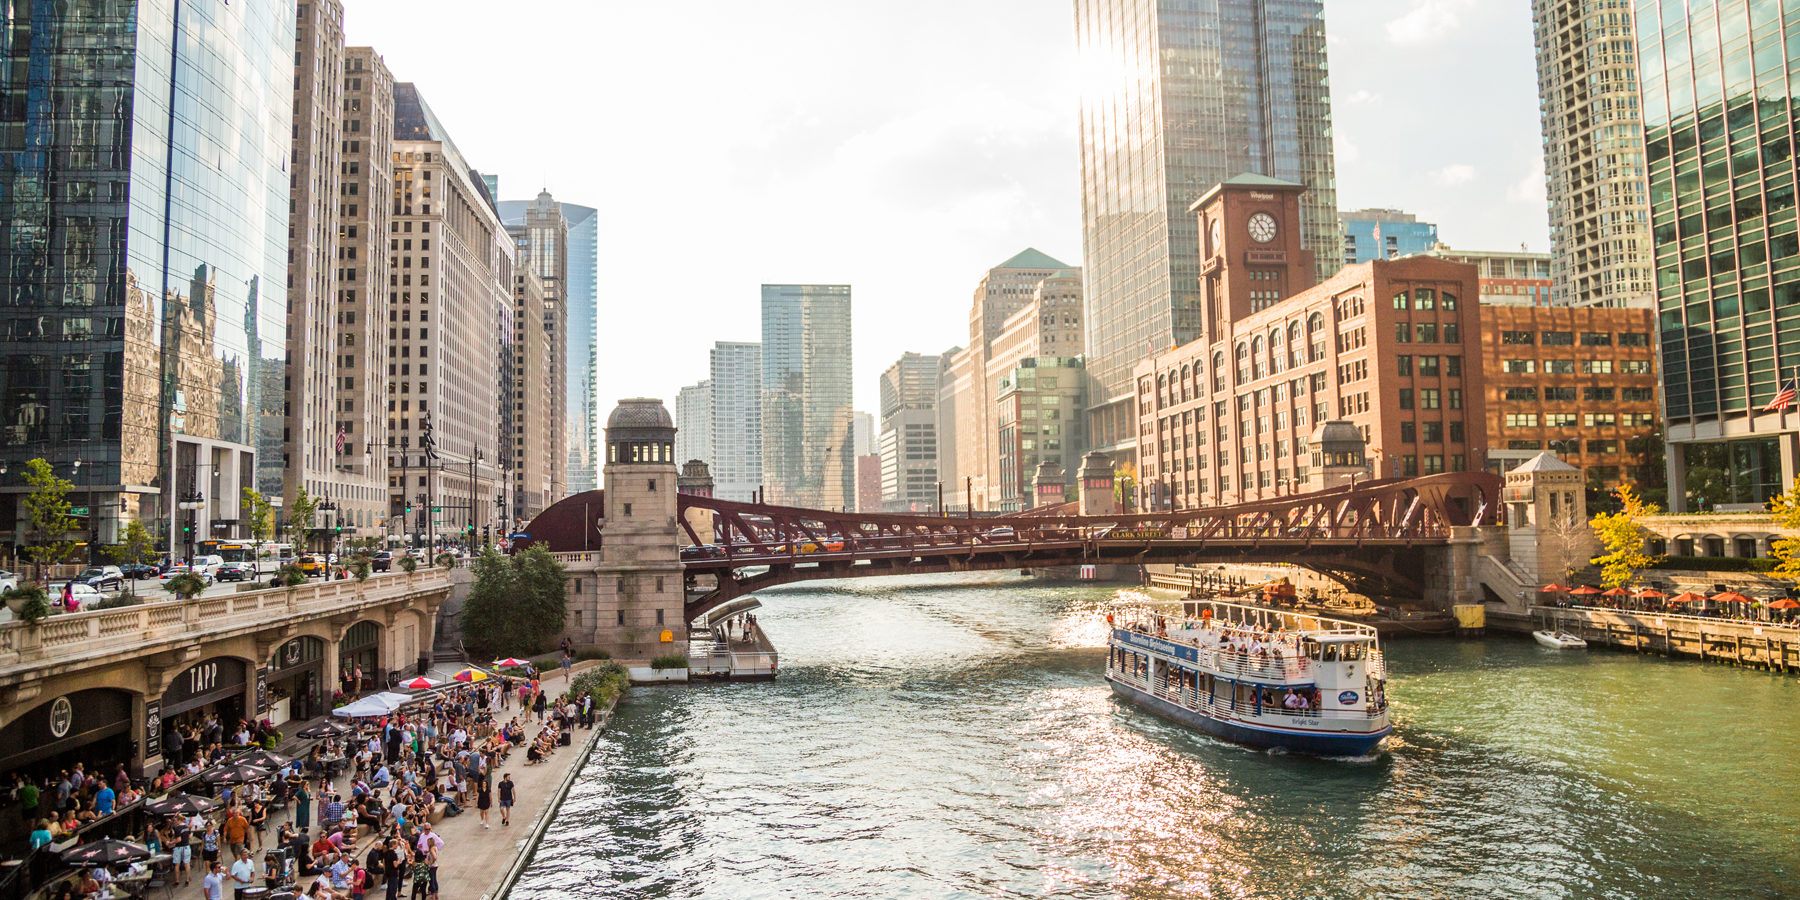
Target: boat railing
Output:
[
  {"x": 1377, "y": 665},
  {"x": 1197, "y": 702}
]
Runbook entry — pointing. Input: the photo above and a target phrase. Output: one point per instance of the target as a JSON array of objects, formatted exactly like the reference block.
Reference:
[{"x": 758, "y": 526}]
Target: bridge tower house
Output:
[
  {"x": 638, "y": 591},
  {"x": 696, "y": 481},
  {"x": 1338, "y": 455},
  {"x": 1048, "y": 484},
  {"x": 1548, "y": 532},
  {"x": 1097, "y": 498}
]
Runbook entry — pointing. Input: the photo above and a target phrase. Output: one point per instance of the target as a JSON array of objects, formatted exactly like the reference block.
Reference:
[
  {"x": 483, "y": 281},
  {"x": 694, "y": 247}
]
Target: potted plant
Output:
[{"x": 29, "y": 602}]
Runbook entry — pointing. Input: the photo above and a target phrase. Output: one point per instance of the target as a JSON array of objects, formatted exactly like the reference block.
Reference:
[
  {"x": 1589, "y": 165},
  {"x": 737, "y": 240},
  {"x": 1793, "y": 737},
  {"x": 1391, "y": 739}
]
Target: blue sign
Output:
[
  {"x": 1165, "y": 647},
  {"x": 1347, "y": 698}
]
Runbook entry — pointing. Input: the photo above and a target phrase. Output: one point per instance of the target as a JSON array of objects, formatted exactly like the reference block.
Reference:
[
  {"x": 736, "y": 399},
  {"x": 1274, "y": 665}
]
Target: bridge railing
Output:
[{"x": 99, "y": 632}]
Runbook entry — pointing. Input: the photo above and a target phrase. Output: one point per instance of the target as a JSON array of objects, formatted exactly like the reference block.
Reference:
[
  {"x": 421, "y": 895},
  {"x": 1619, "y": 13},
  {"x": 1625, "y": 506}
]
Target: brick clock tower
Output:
[{"x": 1250, "y": 253}]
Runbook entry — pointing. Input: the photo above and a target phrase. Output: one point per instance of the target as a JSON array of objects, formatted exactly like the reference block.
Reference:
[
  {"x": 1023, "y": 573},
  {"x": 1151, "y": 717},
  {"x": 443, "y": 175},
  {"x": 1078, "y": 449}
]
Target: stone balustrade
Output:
[{"x": 74, "y": 637}]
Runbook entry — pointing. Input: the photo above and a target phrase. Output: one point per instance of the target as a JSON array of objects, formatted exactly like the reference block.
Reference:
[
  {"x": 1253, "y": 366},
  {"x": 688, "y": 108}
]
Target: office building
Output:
[
  {"x": 862, "y": 433},
  {"x": 1594, "y": 150},
  {"x": 1040, "y": 417},
  {"x": 949, "y": 367},
  {"x": 908, "y": 446},
  {"x": 1022, "y": 306},
  {"x": 1508, "y": 278},
  {"x": 807, "y": 422},
  {"x": 868, "y": 483},
  {"x": 451, "y": 296},
  {"x": 144, "y": 258},
  {"x": 693, "y": 423},
  {"x": 546, "y": 243},
  {"x": 736, "y": 429},
  {"x": 1719, "y": 137},
  {"x": 1384, "y": 234},
  {"x": 569, "y": 260},
  {"x": 1580, "y": 382},
  {"x": 1181, "y": 96},
  {"x": 1390, "y": 346},
  {"x": 529, "y": 401}
]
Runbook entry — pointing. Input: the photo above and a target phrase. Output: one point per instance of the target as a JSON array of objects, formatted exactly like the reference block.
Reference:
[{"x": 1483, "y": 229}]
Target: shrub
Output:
[
  {"x": 361, "y": 568},
  {"x": 446, "y": 560},
  {"x": 288, "y": 576},
  {"x": 118, "y": 600},
  {"x": 669, "y": 661},
  {"x": 605, "y": 683},
  {"x": 34, "y": 603},
  {"x": 409, "y": 563},
  {"x": 187, "y": 585}
]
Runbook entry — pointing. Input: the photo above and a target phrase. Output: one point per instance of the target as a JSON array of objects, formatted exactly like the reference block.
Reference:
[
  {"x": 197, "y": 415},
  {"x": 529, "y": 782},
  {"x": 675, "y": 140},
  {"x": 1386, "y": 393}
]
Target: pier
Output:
[{"x": 1760, "y": 645}]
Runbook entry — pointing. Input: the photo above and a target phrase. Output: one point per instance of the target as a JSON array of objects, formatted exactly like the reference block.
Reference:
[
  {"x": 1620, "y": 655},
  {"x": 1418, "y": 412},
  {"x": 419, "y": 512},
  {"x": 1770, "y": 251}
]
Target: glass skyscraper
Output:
[
  {"x": 808, "y": 446},
  {"x": 1180, "y": 95},
  {"x": 1717, "y": 85},
  {"x": 144, "y": 185}
]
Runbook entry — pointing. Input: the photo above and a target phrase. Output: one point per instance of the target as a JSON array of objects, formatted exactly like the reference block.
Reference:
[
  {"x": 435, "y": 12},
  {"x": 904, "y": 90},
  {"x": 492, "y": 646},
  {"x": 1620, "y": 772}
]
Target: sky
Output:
[{"x": 903, "y": 148}]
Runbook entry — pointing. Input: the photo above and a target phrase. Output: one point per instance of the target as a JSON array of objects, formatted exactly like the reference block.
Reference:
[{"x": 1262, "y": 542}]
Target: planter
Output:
[{"x": 647, "y": 675}]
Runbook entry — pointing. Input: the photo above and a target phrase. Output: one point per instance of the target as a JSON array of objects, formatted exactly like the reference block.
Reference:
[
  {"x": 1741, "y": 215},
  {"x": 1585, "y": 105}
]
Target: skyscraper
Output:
[
  {"x": 1719, "y": 140},
  {"x": 808, "y": 444},
  {"x": 1384, "y": 234},
  {"x": 736, "y": 430},
  {"x": 693, "y": 424},
  {"x": 1182, "y": 95},
  {"x": 144, "y": 200},
  {"x": 909, "y": 433},
  {"x": 1593, "y": 152}
]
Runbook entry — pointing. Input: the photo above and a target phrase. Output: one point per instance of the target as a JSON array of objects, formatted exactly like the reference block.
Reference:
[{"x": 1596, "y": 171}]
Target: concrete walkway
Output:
[{"x": 474, "y": 859}]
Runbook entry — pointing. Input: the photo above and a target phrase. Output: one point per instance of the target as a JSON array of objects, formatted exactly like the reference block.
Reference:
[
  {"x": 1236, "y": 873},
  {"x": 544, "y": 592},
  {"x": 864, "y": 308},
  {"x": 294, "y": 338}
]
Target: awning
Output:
[
  {"x": 375, "y": 705},
  {"x": 741, "y": 604}
]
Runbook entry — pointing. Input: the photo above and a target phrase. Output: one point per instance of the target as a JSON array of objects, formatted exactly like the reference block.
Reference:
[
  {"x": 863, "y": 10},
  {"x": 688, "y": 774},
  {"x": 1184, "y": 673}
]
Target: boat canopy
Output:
[
  {"x": 742, "y": 604},
  {"x": 1340, "y": 637}
]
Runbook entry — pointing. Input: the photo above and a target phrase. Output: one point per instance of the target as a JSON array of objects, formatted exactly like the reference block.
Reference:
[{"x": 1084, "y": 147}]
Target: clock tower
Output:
[{"x": 1250, "y": 253}]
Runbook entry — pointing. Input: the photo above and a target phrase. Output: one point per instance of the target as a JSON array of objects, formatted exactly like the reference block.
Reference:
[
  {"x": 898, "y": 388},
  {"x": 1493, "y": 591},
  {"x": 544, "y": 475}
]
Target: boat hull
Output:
[
  {"x": 1293, "y": 741},
  {"x": 1558, "y": 642}
]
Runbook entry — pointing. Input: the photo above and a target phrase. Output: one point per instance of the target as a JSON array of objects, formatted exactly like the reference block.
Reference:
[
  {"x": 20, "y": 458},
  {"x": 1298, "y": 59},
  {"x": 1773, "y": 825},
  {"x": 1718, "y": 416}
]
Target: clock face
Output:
[
  {"x": 1218, "y": 236},
  {"x": 1262, "y": 227}
]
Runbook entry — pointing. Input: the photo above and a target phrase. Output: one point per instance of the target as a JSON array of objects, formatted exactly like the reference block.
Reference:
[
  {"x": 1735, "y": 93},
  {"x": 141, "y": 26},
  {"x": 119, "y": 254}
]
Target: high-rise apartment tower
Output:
[{"x": 808, "y": 445}]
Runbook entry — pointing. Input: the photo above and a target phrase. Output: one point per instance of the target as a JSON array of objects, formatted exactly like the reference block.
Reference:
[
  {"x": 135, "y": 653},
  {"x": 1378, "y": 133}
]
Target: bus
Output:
[{"x": 236, "y": 551}]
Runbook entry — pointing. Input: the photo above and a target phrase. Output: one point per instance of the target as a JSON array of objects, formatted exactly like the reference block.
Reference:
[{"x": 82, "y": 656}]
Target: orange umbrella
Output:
[
  {"x": 1785, "y": 603},
  {"x": 1688, "y": 597},
  {"x": 1732, "y": 597},
  {"x": 1585, "y": 590},
  {"x": 1616, "y": 592},
  {"x": 1651, "y": 593},
  {"x": 1552, "y": 588}
]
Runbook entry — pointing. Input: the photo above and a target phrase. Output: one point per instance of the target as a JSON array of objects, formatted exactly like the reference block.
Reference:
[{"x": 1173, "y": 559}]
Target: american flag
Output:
[
  {"x": 340, "y": 439},
  {"x": 1783, "y": 399}
]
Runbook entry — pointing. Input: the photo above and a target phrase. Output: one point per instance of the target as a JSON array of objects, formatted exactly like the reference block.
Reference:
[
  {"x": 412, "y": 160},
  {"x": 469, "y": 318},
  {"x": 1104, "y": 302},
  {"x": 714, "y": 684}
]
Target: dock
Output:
[
  {"x": 719, "y": 646},
  {"x": 1757, "y": 645}
]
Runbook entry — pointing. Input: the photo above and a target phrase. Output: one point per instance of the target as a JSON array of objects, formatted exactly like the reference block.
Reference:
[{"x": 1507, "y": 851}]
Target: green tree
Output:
[
  {"x": 1786, "y": 550},
  {"x": 517, "y": 605},
  {"x": 47, "y": 515},
  {"x": 186, "y": 585},
  {"x": 1622, "y": 534},
  {"x": 300, "y": 518},
  {"x": 1125, "y": 486},
  {"x": 137, "y": 549},
  {"x": 259, "y": 516}
]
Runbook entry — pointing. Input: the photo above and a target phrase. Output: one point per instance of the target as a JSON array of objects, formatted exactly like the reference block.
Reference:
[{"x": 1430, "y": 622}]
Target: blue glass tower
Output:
[{"x": 143, "y": 191}]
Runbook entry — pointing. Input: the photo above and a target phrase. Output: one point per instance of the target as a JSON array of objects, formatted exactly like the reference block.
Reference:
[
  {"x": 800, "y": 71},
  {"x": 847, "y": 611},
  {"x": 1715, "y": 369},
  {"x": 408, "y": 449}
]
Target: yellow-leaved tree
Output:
[
  {"x": 1622, "y": 534},
  {"x": 1785, "y": 510}
]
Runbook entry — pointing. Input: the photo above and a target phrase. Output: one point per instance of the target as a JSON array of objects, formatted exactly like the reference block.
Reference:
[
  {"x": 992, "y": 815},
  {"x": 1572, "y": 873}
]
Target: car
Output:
[
  {"x": 206, "y": 575},
  {"x": 382, "y": 562},
  {"x": 311, "y": 565},
  {"x": 1002, "y": 533},
  {"x": 102, "y": 578},
  {"x": 703, "y": 551},
  {"x": 9, "y": 581},
  {"x": 208, "y": 564},
  {"x": 139, "y": 571},
  {"x": 234, "y": 571}
]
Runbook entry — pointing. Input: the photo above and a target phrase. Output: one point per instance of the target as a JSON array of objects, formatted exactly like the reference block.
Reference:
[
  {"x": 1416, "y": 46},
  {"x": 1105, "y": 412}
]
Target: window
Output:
[
  {"x": 1424, "y": 298},
  {"x": 1434, "y": 464},
  {"x": 1524, "y": 445},
  {"x": 1602, "y": 446},
  {"x": 1515, "y": 337},
  {"x": 1409, "y": 433},
  {"x": 1406, "y": 398},
  {"x": 1521, "y": 420},
  {"x": 1597, "y": 366},
  {"x": 1639, "y": 394},
  {"x": 1597, "y": 393},
  {"x": 1428, "y": 366},
  {"x": 1634, "y": 366},
  {"x": 1558, "y": 338},
  {"x": 1559, "y": 366},
  {"x": 1638, "y": 420},
  {"x": 1402, "y": 333},
  {"x": 1429, "y": 398},
  {"x": 1453, "y": 366},
  {"x": 1633, "y": 339},
  {"x": 1451, "y": 335},
  {"x": 1455, "y": 398},
  {"x": 1559, "y": 420},
  {"x": 1426, "y": 332},
  {"x": 1602, "y": 420},
  {"x": 1519, "y": 366},
  {"x": 1559, "y": 393},
  {"x": 1525, "y": 394},
  {"x": 1405, "y": 364},
  {"x": 1456, "y": 432},
  {"x": 1447, "y": 301},
  {"x": 1409, "y": 465},
  {"x": 1596, "y": 339},
  {"x": 1400, "y": 300},
  {"x": 1434, "y": 432}
]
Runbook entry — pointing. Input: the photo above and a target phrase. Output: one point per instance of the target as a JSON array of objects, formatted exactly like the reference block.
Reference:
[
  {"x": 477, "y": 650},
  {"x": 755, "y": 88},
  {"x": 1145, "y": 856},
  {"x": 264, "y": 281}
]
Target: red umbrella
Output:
[
  {"x": 1732, "y": 597},
  {"x": 1651, "y": 594},
  {"x": 1785, "y": 603},
  {"x": 511, "y": 661},
  {"x": 420, "y": 683},
  {"x": 1688, "y": 597},
  {"x": 1585, "y": 590},
  {"x": 1616, "y": 592},
  {"x": 1552, "y": 588}
]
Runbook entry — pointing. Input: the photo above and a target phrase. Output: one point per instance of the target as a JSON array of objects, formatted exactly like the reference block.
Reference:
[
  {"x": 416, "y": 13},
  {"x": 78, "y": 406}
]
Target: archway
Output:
[
  {"x": 359, "y": 658},
  {"x": 91, "y": 726},
  {"x": 210, "y": 688},
  {"x": 296, "y": 681}
]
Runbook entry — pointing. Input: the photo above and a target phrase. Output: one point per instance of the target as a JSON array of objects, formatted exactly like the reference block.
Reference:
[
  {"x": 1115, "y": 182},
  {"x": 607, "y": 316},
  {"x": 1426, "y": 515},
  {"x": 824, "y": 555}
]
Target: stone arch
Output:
[
  {"x": 362, "y": 644},
  {"x": 66, "y": 721}
]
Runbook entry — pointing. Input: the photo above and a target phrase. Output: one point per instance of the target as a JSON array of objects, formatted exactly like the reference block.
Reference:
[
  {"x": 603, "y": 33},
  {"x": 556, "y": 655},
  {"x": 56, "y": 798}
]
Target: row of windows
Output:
[
  {"x": 1593, "y": 445},
  {"x": 1603, "y": 394},
  {"x": 1428, "y": 365},
  {"x": 1588, "y": 420},
  {"x": 1425, "y": 332},
  {"x": 1426, "y": 299},
  {"x": 1433, "y": 432},
  {"x": 1431, "y": 398},
  {"x": 1567, "y": 366},
  {"x": 1567, "y": 338}
]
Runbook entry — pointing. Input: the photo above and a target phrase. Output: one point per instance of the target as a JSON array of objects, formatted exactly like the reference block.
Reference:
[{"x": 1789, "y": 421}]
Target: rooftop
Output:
[{"x": 1032, "y": 258}]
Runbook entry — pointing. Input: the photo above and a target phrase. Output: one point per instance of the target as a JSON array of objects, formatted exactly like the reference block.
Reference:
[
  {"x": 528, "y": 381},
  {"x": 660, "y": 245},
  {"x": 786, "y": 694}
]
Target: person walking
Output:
[
  {"x": 302, "y": 806},
  {"x": 484, "y": 797},
  {"x": 243, "y": 873},
  {"x": 212, "y": 887},
  {"x": 393, "y": 867},
  {"x": 537, "y": 706},
  {"x": 508, "y": 794}
]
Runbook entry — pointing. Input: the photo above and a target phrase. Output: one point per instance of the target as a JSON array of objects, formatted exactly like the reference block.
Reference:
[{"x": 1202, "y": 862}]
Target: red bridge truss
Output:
[{"x": 1371, "y": 536}]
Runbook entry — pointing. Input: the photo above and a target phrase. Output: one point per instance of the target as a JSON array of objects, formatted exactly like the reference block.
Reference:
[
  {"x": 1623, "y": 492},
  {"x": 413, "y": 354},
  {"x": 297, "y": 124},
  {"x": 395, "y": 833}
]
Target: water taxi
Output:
[
  {"x": 1262, "y": 677},
  {"x": 1559, "y": 640}
]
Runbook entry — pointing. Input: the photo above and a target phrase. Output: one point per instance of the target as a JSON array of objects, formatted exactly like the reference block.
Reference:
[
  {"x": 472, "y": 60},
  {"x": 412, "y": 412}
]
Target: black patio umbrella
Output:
[
  {"x": 325, "y": 729},
  {"x": 267, "y": 759},
  {"x": 234, "y": 773},
  {"x": 180, "y": 804},
  {"x": 104, "y": 853}
]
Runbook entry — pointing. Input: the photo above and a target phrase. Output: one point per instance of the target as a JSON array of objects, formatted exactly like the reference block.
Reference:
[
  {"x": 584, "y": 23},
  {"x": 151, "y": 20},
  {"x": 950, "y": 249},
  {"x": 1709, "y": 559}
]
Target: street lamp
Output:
[{"x": 190, "y": 502}]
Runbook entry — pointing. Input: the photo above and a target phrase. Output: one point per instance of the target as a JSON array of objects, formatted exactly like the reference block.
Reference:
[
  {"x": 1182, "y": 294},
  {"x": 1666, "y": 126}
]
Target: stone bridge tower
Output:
[{"x": 638, "y": 594}]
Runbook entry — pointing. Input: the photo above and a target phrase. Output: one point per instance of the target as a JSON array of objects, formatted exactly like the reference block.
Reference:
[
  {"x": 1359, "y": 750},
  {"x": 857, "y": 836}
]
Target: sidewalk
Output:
[{"x": 473, "y": 858}]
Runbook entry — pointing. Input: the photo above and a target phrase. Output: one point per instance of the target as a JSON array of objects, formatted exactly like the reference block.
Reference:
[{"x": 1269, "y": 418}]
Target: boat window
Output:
[{"x": 1354, "y": 651}]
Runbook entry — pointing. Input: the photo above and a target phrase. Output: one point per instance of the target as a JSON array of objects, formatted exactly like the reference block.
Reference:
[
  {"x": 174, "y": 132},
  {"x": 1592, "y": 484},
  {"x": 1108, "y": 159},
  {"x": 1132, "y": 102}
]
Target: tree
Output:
[
  {"x": 1125, "y": 486},
  {"x": 300, "y": 518},
  {"x": 137, "y": 549},
  {"x": 517, "y": 605},
  {"x": 47, "y": 515},
  {"x": 1622, "y": 534},
  {"x": 186, "y": 585},
  {"x": 258, "y": 515},
  {"x": 1786, "y": 513}
]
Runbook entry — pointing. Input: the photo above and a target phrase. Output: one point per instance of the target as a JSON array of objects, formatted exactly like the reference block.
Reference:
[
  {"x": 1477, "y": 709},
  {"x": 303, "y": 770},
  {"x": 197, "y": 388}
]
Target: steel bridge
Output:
[{"x": 1373, "y": 536}]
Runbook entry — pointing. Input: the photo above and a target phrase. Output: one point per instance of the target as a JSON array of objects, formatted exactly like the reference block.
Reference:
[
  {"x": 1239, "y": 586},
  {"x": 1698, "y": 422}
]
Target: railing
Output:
[
  {"x": 1647, "y": 617},
  {"x": 1193, "y": 700},
  {"x": 97, "y": 632}
]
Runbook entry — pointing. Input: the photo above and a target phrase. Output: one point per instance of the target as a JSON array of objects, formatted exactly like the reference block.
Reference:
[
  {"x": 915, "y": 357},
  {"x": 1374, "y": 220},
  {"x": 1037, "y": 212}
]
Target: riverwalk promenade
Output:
[{"x": 476, "y": 861}]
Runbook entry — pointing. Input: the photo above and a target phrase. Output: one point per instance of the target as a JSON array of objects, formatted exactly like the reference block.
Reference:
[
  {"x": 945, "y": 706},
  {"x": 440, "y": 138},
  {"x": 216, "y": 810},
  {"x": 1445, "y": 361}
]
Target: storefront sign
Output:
[
  {"x": 262, "y": 690},
  {"x": 153, "y": 729},
  {"x": 203, "y": 683},
  {"x": 62, "y": 715}
]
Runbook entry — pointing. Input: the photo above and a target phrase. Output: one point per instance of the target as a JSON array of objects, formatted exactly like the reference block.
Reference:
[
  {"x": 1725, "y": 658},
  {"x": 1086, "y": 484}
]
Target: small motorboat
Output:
[{"x": 1559, "y": 640}]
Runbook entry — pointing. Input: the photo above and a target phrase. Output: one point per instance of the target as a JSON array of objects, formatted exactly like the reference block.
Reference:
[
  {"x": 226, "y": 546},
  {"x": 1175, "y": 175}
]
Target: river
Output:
[{"x": 951, "y": 737}]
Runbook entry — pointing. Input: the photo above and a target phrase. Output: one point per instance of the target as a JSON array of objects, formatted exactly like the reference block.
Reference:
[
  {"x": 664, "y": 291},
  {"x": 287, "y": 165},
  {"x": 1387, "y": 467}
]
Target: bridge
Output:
[{"x": 1375, "y": 536}]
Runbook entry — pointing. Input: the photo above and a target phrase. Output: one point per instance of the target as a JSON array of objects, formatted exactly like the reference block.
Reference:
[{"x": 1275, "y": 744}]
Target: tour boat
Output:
[
  {"x": 1559, "y": 640},
  {"x": 1262, "y": 677}
]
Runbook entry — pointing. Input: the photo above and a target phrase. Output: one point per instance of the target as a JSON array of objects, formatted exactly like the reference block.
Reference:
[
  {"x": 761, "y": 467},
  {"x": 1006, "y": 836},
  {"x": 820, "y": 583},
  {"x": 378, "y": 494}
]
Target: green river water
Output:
[{"x": 941, "y": 737}]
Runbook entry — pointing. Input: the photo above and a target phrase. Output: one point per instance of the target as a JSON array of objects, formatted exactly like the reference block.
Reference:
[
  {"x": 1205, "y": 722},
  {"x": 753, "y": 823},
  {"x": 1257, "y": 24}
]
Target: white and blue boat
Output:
[{"x": 1257, "y": 676}]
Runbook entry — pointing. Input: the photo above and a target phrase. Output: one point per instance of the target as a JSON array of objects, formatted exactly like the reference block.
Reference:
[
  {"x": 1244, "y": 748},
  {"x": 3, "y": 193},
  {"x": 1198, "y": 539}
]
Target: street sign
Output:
[
  {"x": 437, "y": 509},
  {"x": 78, "y": 510}
]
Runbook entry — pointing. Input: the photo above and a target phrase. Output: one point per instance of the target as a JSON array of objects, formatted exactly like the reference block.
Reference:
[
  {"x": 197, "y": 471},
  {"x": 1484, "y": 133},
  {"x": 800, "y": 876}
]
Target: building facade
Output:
[
  {"x": 1508, "y": 278},
  {"x": 868, "y": 483},
  {"x": 693, "y": 423},
  {"x": 450, "y": 286},
  {"x": 1719, "y": 138},
  {"x": 1580, "y": 382},
  {"x": 531, "y": 404},
  {"x": 1384, "y": 234},
  {"x": 144, "y": 257},
  {"x": 1593, "y": 152},
  {"x": 807, "y": 424},
  {"x": 908, "y": 446},
  {"x": 1390, "y": 346},
  {"x": 1039, "y": 419},
  {"x": 1184, "y": 95},
  {"x": 736, "y": 427},
  {"x": 575, "y": 258}
]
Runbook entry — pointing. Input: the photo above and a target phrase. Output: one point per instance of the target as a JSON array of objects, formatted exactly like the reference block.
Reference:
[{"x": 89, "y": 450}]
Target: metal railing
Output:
[{"x": 1197, "y": 702}]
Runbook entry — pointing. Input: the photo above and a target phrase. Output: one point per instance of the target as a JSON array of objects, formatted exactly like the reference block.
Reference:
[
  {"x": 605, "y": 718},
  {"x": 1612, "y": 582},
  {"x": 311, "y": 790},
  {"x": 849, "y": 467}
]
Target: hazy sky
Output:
[{"x": 903, "y": 148}]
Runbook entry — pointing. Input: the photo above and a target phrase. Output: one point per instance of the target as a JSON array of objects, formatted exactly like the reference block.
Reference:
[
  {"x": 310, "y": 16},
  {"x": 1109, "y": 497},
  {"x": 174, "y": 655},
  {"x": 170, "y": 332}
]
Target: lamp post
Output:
[
  {"x": 88, "y": 484},
  {"x": 474, "y": 491},
  {"x": 190, "y": 503}
]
